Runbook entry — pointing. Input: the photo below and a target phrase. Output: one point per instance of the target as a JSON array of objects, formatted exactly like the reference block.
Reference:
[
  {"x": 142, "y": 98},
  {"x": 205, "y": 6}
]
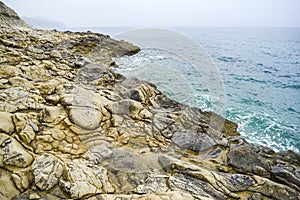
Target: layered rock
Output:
[
  {"x": 9, "y": 17},
  {"x": 70, "y": 127}
]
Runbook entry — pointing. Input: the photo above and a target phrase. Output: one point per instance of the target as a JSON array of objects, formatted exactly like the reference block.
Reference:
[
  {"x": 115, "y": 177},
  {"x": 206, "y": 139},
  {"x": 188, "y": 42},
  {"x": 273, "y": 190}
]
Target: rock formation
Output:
[
  {"x": 9, "y": 17},
  {"x": 72, "y": 128}
]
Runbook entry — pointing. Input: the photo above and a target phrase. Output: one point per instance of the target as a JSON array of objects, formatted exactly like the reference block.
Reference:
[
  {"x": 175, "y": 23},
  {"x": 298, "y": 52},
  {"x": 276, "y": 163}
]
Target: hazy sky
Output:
[{"x": 80, "y": 13}]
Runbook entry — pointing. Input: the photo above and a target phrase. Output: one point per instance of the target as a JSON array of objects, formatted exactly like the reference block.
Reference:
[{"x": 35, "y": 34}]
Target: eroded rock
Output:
[
  {"x": 172, "y": 195},
  {"x": 85, "y": 117},
  {"x": 8, "y": 189},
  {"x": 287, "y": 174},
  {"x": 23, "y": 178},
  {"x": 9, "y": 17},
  {"x": 193, "y": 141},
  {"x": 82, "y": 180},
  {"x": 6, "y": 122},
  {"x": 12, "y": 153},
  {"x": 244, "y": 158},
  {"x": 47, "y": 171},
  {"x": 70, "y": 127}
]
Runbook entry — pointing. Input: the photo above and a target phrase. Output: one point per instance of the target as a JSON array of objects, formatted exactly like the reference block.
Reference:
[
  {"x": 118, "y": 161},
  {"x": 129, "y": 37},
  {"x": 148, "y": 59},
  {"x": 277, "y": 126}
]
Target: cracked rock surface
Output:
[{"x": 72, "y": 128}]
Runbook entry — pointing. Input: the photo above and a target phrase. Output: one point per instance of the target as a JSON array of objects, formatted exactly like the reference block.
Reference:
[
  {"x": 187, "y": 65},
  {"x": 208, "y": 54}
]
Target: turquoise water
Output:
[
  {"x": 261, "y": 72},
  {"x": 260, "y": 69}
]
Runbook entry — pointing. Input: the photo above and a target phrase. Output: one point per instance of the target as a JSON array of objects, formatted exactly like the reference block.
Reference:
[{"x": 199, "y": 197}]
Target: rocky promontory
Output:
[{"x": 72, "y": 128}]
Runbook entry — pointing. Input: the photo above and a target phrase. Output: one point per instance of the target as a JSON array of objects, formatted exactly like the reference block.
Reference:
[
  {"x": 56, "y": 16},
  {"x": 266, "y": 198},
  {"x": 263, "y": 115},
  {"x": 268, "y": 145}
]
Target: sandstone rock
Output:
[
  {"x": 20, "y": 99},
  {"x": 166, "y": 124},
  {"x": 21, "y": 120},
  {"x": 130, "y": 108},
  {"x": 193, "y": 141},
  {"x": 196, "y": 187},
  {"x": 23, "y": 178},
  {"x": 9, "y": 17},
  {"x": 126, "y": 107},
  {"x": 50, "y": 86},
  {"x": 84, "y": 117},
  {"x": 273, "y": 190},
  {"x": 98, "y": 153},
  {"x": 244, "y": 159},
  {"x": 126, "y": 160},
  {"x": 172, "y": 195},
  {"x": 27, "y": 134},
  {"x": 34, "y": 196},
  {"x": 152, "y": 185},
  {"x": 47, "y": 171},
  {"x": 82, "y": 180},
  {"x": 70, "y": 127},
  {"x": 58, "y": 140},
  {"x": 96, "y": 74},
  {"x": 289, "y": 156},
  {"x": 26, "y": 128},
  {"x": 257, "y": 196},
  {"x": 214, "y": 179},
  {"x": 229, "y": 128},
  {"x": 8, "y": 189},
  {"x": 12, "y": 153},
  {"x": 145, "y": 94},
  {"x": 287, "y": 174},
  {"x": 53, "y": 115},
  {"x": 6, "y": 122}
]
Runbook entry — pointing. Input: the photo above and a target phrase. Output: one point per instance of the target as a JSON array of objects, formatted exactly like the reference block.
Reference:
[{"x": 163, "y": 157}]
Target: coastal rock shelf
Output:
[{"x": 72, "y": 128}]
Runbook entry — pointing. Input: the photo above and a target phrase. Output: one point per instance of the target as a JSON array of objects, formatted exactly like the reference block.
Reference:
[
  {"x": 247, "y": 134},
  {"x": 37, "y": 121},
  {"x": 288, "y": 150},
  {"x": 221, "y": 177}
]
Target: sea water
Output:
[{"x": 260, "y": 70}]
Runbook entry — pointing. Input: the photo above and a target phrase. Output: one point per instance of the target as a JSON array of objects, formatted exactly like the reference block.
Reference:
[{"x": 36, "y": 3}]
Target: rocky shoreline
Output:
[{"x": 72, "y": 128}]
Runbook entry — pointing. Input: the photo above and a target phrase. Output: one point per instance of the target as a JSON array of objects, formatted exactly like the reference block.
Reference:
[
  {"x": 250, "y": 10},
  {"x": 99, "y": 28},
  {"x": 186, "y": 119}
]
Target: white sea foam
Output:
[{"x": 261, "y": 89}]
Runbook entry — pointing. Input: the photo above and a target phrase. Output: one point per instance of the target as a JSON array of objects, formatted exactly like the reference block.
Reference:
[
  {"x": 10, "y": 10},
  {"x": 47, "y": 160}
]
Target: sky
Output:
[{"x": 93, "y": 13}]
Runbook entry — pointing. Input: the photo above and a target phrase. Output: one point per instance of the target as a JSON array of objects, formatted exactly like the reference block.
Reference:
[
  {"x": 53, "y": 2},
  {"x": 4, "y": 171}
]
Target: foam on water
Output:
[
  {"x": 261, "y": 72},
  {"x": 263, "y": 129}
]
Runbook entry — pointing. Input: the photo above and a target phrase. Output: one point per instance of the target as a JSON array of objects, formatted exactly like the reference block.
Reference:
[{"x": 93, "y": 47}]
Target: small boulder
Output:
[
  {"x": 12, "y": 153},
  {"x": 6, "y": 122},
  {"x": 193, "y": 141},
  {"x": 47, "y": 170},
  {"x": 82, "y": 179},
  {"x": 130, "y": 108},
  {"x": 96, "y": 74},
  {"x": 85, "y": 117}
]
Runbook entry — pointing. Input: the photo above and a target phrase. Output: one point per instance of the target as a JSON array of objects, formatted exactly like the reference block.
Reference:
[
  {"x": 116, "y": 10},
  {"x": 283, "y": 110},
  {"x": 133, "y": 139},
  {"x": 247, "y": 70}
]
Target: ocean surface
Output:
[{"x": 259, "y": 70}]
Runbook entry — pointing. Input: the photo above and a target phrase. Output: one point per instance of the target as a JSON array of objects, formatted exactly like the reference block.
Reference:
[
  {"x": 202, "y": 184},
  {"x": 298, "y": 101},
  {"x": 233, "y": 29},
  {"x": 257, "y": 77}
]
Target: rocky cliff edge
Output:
[{"x": 72, "y": 128}]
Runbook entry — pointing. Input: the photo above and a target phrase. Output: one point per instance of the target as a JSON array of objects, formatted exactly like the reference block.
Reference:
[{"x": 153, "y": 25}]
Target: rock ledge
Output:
[{"x": 71, "y": 128}]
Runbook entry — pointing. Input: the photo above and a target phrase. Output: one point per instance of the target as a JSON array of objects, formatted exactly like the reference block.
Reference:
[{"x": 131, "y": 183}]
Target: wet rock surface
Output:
[{"x": 71, "y": 128}]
